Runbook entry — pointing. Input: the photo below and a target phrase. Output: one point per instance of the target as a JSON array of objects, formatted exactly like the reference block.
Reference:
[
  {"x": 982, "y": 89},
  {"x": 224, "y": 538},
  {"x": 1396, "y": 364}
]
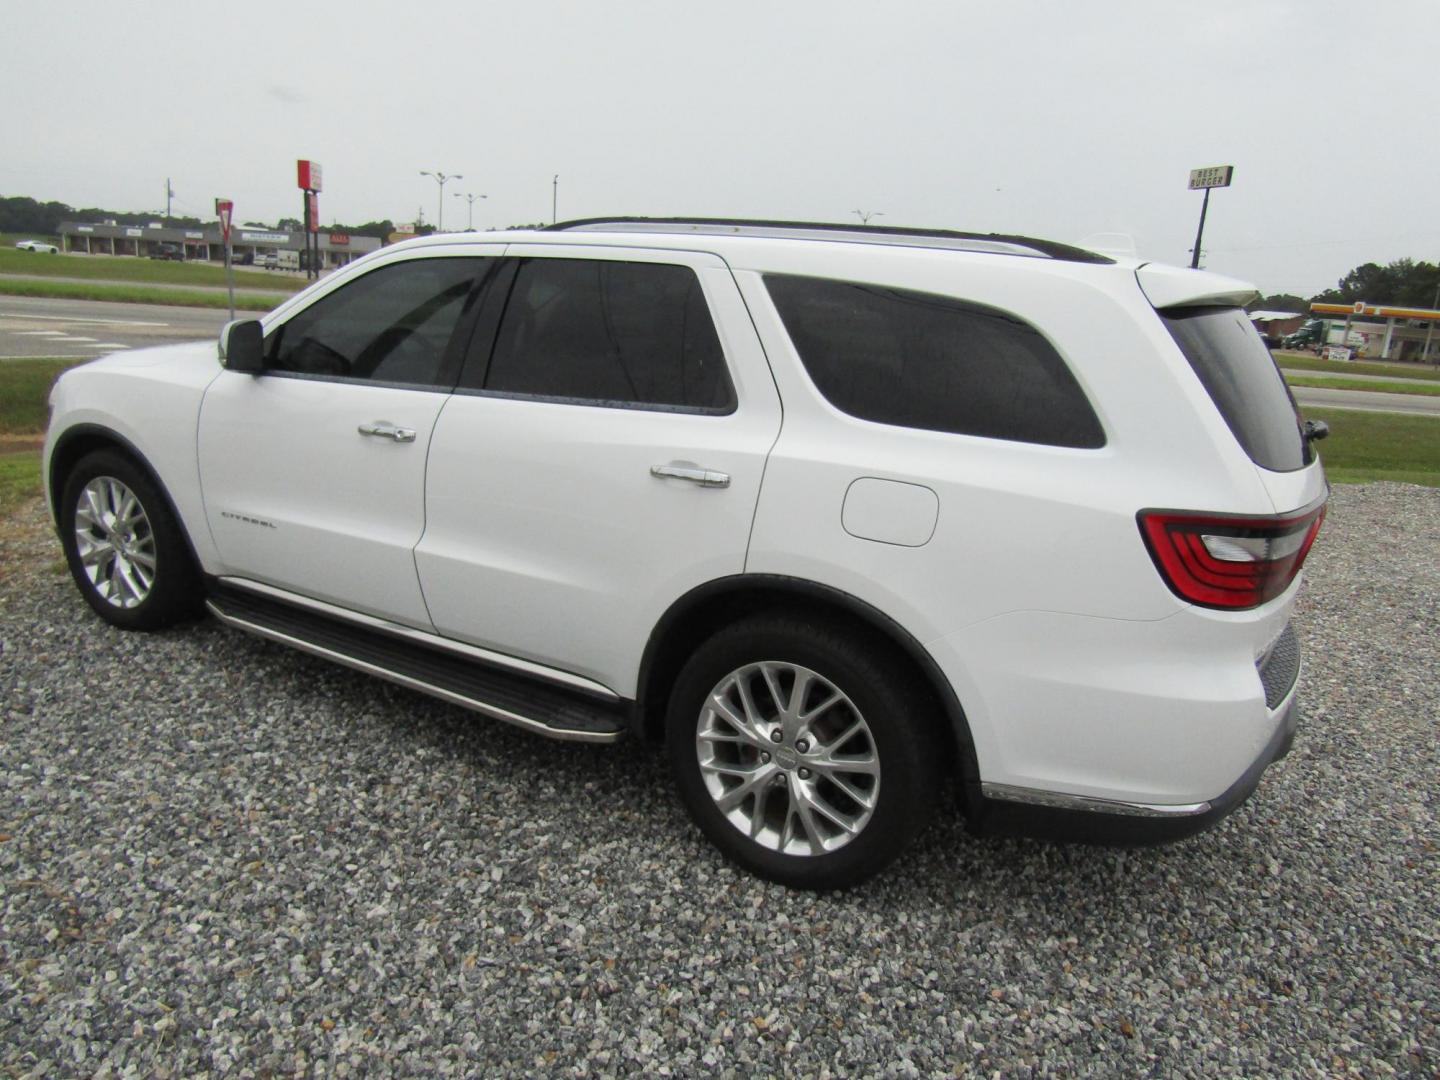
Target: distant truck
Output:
[
  {"x": 278, "y": 260},
  {"x": 1314, "y": 336}
]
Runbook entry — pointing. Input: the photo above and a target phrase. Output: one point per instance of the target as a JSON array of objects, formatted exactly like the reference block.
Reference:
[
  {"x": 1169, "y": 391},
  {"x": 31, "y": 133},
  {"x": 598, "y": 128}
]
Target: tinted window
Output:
[
  {"x": 923, "y": 361},
  {"x": 612, "y": 332},
  {"x": 1243, "y": 381},
  {"x": 391, "y": 325}
]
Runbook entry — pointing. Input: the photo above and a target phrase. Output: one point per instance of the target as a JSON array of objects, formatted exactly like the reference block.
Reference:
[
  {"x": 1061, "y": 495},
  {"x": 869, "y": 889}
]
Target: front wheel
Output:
[
  {"x": 807, "y": 756},
  {"x": 123, "y": 545}
]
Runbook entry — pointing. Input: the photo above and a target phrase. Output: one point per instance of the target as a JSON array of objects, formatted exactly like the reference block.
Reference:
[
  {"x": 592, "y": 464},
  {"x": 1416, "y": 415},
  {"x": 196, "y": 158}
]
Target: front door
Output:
[{"x": 314, "y": 472}]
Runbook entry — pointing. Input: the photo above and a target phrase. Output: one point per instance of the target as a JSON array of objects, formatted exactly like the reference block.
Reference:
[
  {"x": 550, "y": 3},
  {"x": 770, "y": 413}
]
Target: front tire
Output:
[
  {"x": 807, "y": 755},
  {"x": 124, "y": 547}
]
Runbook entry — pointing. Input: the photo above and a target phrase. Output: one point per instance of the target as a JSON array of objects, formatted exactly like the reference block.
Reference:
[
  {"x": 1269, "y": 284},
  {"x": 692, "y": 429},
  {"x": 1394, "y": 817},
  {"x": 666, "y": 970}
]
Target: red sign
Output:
[
  {"x": 314, "y": 202},
  {"x": 307, "y": 175},
  {"x": 225, "y": 208},
  {"x": 339, "y": 239}
]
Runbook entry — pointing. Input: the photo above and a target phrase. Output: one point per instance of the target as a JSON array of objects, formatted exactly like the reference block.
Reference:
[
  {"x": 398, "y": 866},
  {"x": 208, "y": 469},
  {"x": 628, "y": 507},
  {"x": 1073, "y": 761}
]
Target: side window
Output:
[
  {"x": 614, "y": 333},
  {"x": 392, "y": 325},
  {"x": 922, "y": 361}
]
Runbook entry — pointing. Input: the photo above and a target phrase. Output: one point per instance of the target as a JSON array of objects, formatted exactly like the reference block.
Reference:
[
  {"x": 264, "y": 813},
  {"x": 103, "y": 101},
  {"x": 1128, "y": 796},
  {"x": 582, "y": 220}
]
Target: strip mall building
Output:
[{"x": 205, "y": 244}]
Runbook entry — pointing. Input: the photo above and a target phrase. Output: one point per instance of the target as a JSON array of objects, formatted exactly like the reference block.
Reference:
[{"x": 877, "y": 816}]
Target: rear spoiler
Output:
[{"x": 1171, "y": 286}]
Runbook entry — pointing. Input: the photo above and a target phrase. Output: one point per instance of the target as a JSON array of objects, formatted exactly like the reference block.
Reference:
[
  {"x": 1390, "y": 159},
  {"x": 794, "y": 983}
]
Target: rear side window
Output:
[
  {"x": 1242, "y": 379},
  {"x": 610, "y": 333},
  {"x": 922, "y": 361}
]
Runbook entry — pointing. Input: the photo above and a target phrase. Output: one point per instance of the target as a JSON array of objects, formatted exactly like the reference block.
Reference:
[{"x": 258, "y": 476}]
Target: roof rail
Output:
[{"x": 1001, "y": 243}]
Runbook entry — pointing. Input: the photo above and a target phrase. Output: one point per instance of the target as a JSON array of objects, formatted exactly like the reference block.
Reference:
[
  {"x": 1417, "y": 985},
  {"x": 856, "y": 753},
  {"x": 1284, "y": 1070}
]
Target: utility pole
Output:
[
  {"x": 169, "y": 194},
  {"x": 554, "y": 197}
]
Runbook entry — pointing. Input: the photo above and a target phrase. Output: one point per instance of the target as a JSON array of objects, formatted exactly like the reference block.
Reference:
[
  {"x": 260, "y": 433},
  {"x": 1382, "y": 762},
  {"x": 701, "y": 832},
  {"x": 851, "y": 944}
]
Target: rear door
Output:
[{"x": 602, "y": 456}]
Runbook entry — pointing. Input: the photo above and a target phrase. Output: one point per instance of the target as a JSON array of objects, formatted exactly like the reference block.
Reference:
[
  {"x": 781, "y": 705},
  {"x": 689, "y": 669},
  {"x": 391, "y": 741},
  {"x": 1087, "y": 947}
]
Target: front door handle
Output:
[
  {"x": 703, "y": 477},
  {"x": 385, "y": 430}
]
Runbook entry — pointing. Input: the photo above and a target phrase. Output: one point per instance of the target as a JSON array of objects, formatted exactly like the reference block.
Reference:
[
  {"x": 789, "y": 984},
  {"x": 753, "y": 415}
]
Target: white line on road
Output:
[
  {"x": 73, "y": 337},
  {"x": 38, "y": 333},
  {"x": 70, "y": 318},
  {"x": 109, "y": 345}
]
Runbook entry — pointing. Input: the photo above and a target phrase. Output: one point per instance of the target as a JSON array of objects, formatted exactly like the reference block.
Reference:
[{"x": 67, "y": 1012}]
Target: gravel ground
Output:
[{"x": 219, "y": 855}]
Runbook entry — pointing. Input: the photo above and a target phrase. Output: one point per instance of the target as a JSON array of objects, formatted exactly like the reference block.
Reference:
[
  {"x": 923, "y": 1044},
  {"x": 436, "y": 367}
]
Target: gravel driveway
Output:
[{"x": 219, "y": 855}]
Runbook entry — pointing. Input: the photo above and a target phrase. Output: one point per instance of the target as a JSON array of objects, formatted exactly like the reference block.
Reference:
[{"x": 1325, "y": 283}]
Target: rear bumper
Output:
[{"x": 1019, "y": 812}]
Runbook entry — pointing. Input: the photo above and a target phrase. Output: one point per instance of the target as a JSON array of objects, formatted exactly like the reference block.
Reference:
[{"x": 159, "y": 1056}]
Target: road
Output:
[
  {"x": 1367, "y": 401},
  {"x": 86, "y": 328}
]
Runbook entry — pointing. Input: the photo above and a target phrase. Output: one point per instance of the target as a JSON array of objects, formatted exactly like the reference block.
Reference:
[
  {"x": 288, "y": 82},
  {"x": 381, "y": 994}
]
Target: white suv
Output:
[{"x": 842, "y": 515}]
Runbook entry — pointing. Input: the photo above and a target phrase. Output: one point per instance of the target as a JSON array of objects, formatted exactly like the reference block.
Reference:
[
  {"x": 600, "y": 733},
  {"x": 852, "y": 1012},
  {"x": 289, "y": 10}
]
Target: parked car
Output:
[
  {"x": 168, "y": 251},
  {"x": 38, "y": 246},
  {"x": 845, "y": 517}
]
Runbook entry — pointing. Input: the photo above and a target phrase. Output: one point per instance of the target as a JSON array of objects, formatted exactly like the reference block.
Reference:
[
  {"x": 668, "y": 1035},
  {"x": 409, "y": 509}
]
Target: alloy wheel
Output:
[
  {"x": 788, "y": 758},
  {"x": 115, "y": 542}
]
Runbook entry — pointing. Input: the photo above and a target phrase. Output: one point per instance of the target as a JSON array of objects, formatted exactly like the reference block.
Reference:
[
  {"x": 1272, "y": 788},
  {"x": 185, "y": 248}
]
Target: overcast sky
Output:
[{"x": 1061, "y": 119}]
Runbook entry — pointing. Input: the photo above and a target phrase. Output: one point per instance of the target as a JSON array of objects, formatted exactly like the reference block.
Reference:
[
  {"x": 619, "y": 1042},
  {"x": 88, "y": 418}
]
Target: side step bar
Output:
[{"x": 503, "y": 695}]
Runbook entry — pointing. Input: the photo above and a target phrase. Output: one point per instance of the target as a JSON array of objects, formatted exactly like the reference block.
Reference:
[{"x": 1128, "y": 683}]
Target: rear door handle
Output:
[
  {"x": 703, "y": 477},
  {"x": 385, "y": 430}
]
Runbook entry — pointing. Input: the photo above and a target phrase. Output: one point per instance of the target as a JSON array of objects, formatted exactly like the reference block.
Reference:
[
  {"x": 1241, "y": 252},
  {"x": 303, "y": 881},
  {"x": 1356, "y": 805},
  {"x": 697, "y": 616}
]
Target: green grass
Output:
[
  {"x": 1365, "y": 447},
  {"x": 19, "y": 479},
  {"x": 1372, "y": 385},
  {"x": 24, "y": 391},
  {"x": 138, "y": 294},
  {"x": 1378, "y": 368},
  {"x": 131, "y": 270}
]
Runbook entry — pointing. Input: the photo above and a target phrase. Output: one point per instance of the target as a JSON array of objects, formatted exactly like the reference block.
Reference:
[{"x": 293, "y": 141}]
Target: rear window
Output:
[
  {"x": 918, "y": 360},
  {"x": 1244, "y": 382}
]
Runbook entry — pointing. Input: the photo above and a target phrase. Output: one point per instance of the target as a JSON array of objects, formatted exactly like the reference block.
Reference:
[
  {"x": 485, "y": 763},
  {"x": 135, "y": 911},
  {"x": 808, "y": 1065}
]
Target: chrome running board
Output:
[{"x": 542, "y": 709}]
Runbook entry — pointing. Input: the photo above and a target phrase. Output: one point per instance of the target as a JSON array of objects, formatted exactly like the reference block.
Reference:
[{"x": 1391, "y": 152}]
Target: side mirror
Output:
[{"x": 242, "y": 346}]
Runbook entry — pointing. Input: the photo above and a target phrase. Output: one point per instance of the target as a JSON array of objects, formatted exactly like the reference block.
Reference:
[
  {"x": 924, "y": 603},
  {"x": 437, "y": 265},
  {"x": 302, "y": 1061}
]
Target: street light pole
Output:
[
  {"x": 470, "y": 200},
  {"x": 440, "y": 178},
  {"x": 554, "y": 197}
]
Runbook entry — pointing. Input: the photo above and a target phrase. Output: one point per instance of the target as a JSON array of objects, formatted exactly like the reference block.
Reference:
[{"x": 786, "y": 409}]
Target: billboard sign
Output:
[
  {"x": 308, "y": 175},
  {"x": 1211, "y": 176}
]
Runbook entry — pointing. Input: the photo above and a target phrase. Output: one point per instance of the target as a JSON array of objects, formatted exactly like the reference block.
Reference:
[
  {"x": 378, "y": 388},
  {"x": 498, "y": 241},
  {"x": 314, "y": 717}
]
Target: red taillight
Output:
[{"x": 1224, "y": 561}]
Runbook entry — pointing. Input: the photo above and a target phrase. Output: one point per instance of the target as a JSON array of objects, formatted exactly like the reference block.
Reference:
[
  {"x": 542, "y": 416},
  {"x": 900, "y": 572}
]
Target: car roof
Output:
[
  {"x": 888, "y": 235},
  {"x": 731, "y": 231}
]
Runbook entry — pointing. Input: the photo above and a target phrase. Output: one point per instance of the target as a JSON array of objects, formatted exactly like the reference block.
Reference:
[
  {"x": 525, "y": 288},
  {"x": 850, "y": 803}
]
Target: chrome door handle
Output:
[
  {"x": 703, "y": 477},
  {"x": 386, "y": 430}
]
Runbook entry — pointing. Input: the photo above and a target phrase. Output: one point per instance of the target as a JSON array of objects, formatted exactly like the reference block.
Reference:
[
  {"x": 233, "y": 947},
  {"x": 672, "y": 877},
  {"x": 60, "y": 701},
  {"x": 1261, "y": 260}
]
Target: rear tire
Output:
[
  {"x": 808, "y": 756},
  {"x": 124, "y": 547}
]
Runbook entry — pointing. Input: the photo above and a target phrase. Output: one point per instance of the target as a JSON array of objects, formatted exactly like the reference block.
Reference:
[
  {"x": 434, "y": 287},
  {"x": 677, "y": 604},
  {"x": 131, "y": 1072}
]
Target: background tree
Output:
[
  {"x": 1403, "y": 283},
  {"x": 1280, "y": 302}
]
